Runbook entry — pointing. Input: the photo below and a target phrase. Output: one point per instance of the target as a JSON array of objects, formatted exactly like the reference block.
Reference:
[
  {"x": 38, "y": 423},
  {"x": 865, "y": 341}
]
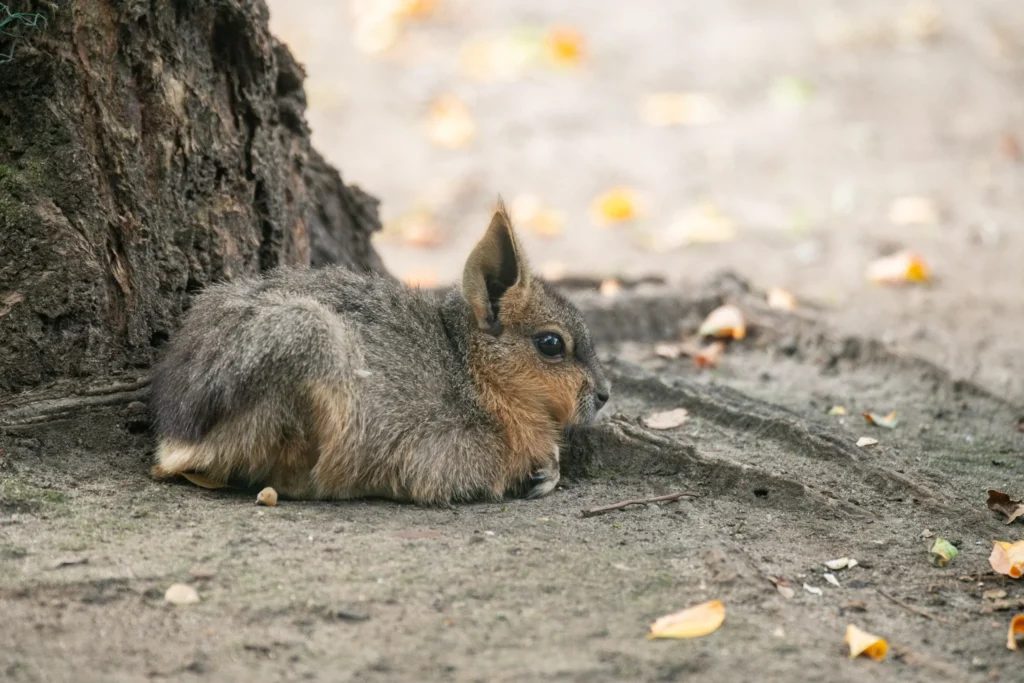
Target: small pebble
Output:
[
  {"x": 267, "y": 496},
  {"x": 181, "y": 594}
]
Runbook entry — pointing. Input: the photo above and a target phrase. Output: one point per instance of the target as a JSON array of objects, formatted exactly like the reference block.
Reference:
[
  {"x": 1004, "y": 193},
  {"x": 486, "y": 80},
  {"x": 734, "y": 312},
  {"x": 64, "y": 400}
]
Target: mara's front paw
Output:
[{"x": 542, "y": 482}]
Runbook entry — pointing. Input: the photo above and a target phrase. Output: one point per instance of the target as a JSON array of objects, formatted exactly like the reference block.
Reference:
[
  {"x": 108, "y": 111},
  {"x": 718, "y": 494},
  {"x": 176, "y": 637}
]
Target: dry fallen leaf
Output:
[
  {"x": 1008, "y": 558},
  {"x": 668, "y": 419},
  {"x": 898, "y": 269},
  {"x": 693, "y": 622},
  {"x": 866, "y": 441},
  {"x": 943, "y": 552},
  {"x": 181, "y": 594},
  {"x": 564, "y": 47},
  {"x": 837, "y": 410},
  {"x": 888, "y": 421},
  {"x": 1000, "y": 502},
  {"x": 913, "y": 211},
  {"x": 1015, "y": 636},
  {"x": 680, "y": 109},
  {"x": 609, "y": 288},
  {"x": 725, "y": 322},
  {"x": 781, "y": 300},
  {"x": 863, "y": 643},
  {"x": 617, "y": 205},
  {"x": 703, "y": 223},
  {"x": 449, "y": 123},
  {"x": 267, "y": 496},
  {"x": 709, "y": 356},
  {"x": 529, "y": 212}
]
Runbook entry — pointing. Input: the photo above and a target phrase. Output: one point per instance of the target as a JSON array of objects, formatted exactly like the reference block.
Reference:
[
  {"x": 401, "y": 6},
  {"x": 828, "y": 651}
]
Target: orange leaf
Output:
[
  {"x": 564, "y": 47},
  {"x": 898, "y": 269},
  {"x": 1016, "y": 632},
  {"x": 1008, "y": 558},
  {"x": 725, "y": 322},
  {"x": 864, "y": 643},
  {"x": 694, "y": 622}
]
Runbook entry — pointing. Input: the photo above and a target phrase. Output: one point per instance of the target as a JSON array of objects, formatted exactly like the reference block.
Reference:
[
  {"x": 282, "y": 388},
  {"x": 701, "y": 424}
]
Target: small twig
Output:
[
  {"x": 915, "y": 610},
  {"x": 594, "y": 512}
]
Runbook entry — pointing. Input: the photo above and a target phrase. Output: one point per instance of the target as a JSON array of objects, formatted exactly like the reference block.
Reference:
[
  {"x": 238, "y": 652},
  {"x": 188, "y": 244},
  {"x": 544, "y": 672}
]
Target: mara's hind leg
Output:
[{"x": 252, "y": 449}]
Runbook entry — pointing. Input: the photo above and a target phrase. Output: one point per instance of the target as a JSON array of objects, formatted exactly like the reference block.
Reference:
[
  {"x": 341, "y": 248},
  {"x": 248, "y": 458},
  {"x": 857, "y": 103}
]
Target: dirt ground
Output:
[{"x": 374, "y": 591}]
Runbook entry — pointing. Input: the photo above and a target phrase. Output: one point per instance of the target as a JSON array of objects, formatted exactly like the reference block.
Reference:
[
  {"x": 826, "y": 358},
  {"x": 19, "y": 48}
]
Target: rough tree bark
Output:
[{"x": 146, "y": 150}]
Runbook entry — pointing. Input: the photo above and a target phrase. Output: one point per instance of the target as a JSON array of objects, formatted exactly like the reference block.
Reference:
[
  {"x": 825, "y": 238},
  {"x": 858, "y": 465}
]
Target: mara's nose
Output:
[{"x": 601, "y": 397}]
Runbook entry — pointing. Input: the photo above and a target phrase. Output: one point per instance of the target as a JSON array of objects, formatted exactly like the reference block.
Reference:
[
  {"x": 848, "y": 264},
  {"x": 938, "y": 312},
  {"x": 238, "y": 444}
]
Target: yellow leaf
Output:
[
  {"x": 449, "y": 123},
  {"x": 690, "y": 623},
  {"x": 898, "y": 269},
  {"x": 725, "y": 322},
  {"x": 564, "y": 47},
  {"x": 1016, "y": 632},
  {"x": 617, "y": 205},
  {"x": 1008, "y": 558},
  {"x": 680, "y": 109},
  {"x": 863, "y": 643}
]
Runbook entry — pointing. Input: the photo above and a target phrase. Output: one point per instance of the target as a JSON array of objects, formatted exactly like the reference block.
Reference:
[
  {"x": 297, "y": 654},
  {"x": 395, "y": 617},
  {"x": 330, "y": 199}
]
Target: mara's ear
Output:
[{"x": 493, "y": 268}]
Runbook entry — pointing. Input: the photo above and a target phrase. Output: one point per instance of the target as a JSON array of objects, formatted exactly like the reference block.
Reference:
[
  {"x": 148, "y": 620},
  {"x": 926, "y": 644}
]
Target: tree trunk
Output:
[{"x": 148, "y": 149}]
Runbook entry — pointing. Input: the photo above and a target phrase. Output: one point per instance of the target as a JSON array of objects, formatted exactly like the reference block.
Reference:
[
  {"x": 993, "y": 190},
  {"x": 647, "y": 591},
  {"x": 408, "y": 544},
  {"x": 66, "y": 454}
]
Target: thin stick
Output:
[
  {"x": 594, "y": 512},
  {"x": 915, "y": 610}
]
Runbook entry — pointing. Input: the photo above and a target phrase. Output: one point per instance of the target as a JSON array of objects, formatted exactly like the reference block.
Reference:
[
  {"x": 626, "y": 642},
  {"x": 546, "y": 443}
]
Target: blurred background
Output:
[{"x": 865, "y": 155}]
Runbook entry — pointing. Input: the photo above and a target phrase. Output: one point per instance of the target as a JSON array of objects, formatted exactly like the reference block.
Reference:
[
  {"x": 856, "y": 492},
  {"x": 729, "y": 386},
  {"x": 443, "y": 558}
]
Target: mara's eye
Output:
[{"x": 550, "y": 344}]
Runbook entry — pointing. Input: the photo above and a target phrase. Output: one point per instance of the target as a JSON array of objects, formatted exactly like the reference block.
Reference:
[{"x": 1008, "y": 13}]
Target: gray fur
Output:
[{"x": 249, "y": 349}]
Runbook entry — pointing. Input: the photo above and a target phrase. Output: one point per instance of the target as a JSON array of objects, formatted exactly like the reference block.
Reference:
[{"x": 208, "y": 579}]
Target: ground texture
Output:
[{"x": 374, "y": 591}]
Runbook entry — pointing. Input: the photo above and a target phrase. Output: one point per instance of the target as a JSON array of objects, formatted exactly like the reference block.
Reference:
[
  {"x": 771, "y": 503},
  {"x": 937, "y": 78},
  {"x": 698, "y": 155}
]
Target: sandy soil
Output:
[{"x": 374, "y": 591}]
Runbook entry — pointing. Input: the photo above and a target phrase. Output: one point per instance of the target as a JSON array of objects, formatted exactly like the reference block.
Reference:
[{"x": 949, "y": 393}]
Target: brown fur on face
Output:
[{"x": 532, "y": 397}]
